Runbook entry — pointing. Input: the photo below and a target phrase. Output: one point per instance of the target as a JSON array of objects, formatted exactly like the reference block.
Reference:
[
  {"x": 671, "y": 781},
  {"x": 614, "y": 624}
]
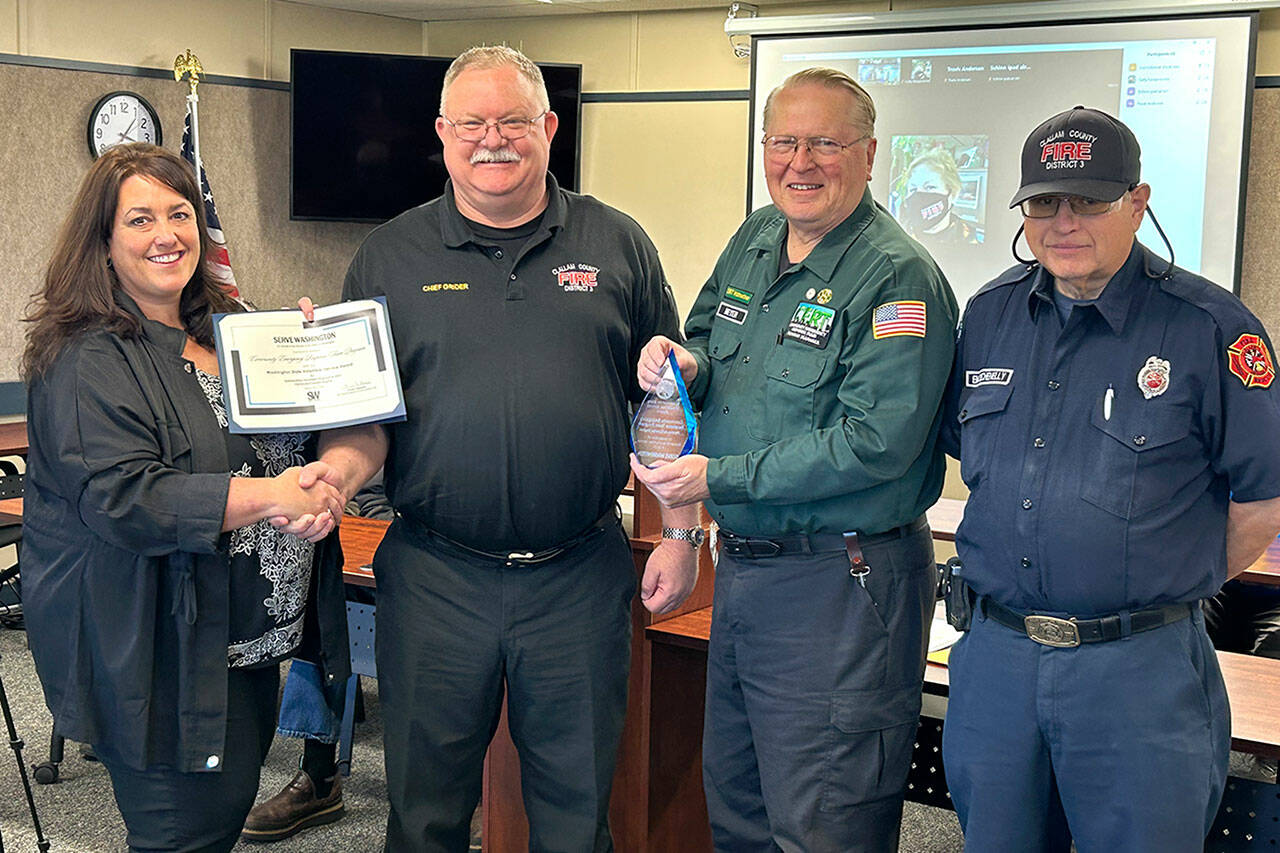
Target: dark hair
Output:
[{"x": 79, "y": 284}]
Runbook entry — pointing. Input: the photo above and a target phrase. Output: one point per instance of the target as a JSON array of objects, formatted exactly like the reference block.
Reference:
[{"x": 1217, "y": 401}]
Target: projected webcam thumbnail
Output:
[
  {"x": 938, "y": 187},
  {"x": 886, "y": 72}
]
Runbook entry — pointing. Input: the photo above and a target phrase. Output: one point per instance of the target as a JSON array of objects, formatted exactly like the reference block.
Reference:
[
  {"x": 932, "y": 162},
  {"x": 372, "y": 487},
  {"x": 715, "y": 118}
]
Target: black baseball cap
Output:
[{"x": 1080, "y": 152}]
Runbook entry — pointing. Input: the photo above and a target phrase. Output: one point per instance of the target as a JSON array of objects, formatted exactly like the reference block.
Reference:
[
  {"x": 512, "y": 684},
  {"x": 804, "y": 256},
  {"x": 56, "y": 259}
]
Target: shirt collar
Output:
[
  {"x": 1115, "y": 299},
  {"x": 453, "y": 226},
  {"x": 166, "y": 337},
  {"x": 824, "y": 258}
]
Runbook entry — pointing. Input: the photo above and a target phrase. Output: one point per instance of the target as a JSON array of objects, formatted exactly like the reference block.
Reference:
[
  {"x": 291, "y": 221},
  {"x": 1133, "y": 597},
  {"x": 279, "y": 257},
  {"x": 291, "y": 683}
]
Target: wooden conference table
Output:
[{"x": 13, "y": 439}]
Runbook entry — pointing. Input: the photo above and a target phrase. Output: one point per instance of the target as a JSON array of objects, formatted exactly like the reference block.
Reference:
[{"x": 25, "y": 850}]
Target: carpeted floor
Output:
[{"x": 78, "y": 814}]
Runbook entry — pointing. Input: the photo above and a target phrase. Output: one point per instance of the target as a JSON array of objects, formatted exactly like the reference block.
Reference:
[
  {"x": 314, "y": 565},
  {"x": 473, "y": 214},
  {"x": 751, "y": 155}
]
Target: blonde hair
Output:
[
  {"x": 488, "y": 56},
  {"x": 864, "y": 109},
  {"x": 941, "y": 162}
]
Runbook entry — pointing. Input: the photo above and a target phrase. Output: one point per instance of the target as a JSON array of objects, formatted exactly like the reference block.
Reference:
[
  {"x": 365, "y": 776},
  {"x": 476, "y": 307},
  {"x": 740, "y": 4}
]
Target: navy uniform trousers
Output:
[
  {"x": 1045, "y": 745},
  {"x": 453, "y": 632},
  {"x": 813, "y": 697}
]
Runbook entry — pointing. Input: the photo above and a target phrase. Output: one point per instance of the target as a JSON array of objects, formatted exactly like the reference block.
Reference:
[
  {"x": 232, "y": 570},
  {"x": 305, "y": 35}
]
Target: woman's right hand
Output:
[{"x": 293, "y": 501}]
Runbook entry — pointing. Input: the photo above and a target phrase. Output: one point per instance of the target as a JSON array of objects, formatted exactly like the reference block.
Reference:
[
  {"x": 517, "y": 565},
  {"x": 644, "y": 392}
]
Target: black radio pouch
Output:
[{"x": 956, "y": 595}]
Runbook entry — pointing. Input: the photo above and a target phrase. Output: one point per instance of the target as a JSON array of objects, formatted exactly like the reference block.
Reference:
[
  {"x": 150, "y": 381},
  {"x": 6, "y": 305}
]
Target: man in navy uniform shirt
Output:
[{"x": 1117, "y": 420}]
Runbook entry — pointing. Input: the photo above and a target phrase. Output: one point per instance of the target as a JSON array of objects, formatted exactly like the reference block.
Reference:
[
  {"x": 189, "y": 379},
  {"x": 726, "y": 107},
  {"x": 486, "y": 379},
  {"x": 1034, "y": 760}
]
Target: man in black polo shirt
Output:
[{"x": 519, "y": 310}]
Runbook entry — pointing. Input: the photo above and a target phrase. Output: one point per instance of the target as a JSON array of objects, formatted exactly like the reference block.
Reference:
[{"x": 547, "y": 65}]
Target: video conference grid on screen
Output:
[{"x": 954, "y": 108}]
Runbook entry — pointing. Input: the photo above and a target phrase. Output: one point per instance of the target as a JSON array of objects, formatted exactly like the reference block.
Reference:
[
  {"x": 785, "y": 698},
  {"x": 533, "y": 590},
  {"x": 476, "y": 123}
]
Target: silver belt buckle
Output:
[{"x": 1052, "y": 631}]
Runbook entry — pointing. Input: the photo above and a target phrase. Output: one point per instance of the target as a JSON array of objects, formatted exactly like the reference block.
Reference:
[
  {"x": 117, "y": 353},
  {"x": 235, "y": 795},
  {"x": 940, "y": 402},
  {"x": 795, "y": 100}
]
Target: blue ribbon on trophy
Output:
[{"x": 665, "y": 428}]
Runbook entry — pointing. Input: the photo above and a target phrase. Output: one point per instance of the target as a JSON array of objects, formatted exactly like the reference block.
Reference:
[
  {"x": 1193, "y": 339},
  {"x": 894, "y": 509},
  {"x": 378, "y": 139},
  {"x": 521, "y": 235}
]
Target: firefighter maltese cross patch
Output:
[
  {"x": 1250, "y": 362},
  {"x": 1153, "y": 378}
]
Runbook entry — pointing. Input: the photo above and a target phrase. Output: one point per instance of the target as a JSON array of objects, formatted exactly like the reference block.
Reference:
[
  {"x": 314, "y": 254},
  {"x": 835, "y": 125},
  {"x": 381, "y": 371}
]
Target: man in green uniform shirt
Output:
[{"x": 818, "y": 353}]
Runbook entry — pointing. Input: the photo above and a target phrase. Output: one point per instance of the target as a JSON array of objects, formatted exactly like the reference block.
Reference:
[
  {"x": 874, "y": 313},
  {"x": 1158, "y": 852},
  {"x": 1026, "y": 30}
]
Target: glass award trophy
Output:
[{"x": 664, "y": 428}]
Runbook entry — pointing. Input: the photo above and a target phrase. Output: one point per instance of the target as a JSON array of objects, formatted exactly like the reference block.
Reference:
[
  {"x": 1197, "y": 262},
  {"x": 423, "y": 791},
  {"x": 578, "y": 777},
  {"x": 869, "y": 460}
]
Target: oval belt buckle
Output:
[{"x": 1052, "y": 631}]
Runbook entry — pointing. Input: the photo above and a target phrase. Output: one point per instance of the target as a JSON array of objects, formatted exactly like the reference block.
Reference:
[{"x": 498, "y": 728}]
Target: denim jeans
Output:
[{"x": 304, "y": 713}]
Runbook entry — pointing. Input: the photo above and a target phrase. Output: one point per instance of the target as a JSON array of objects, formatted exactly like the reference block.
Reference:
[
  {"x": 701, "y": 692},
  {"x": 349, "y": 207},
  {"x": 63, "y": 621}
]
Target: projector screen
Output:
[{"x": 971, "y": 97}]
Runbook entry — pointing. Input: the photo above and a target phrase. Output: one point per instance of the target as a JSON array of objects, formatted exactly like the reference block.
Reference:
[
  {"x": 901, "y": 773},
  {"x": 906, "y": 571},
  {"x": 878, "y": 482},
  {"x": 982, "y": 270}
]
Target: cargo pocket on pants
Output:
[{"x": 871, "y": 737}]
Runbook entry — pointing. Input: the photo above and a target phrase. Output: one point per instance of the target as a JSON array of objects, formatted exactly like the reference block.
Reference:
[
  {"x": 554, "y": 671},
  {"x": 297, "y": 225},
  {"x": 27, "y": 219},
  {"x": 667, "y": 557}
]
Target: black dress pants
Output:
[
  {"x": 167, "y": 810},
  {"x": 455, "y": 632}
]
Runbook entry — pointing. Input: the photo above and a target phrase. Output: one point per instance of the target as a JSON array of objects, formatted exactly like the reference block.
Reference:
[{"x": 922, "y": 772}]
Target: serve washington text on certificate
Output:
[{"x": 283, "y": 374}]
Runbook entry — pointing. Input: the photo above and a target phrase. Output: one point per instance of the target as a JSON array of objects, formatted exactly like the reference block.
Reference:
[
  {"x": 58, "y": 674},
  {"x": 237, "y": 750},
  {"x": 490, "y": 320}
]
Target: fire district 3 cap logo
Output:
[
  {"x": 1251, "y": 362},
  {"x": 1067, "y": 150},
  {"x": 577, "y": 277}
]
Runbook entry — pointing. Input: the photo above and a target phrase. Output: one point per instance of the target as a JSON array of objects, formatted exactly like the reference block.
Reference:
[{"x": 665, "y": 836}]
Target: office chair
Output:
[
  {"x": 11, "y": 483},
  {"x": 360, "y": 627}
]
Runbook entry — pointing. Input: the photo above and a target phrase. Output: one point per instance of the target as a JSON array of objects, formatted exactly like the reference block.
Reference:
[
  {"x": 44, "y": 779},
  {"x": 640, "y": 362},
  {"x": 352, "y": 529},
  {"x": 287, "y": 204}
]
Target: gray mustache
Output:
[{"x": 495, "y": 155}]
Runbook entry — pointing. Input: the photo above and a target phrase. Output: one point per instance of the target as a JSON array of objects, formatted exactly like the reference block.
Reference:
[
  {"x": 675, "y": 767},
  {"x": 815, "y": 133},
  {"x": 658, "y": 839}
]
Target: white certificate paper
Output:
[{"x": 283, "y": 374}]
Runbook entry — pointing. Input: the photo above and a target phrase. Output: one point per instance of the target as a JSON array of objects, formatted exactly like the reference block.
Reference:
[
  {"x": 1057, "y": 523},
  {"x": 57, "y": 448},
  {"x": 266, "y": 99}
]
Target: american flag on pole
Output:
[
  {"x": 221, "y": 260},
  {"x": 893, "y": 319}
]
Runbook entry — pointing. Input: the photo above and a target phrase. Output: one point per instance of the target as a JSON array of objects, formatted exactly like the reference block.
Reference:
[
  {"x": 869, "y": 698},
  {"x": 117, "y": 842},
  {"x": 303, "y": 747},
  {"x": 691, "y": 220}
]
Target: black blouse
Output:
[{"x": 270, "y": 570}]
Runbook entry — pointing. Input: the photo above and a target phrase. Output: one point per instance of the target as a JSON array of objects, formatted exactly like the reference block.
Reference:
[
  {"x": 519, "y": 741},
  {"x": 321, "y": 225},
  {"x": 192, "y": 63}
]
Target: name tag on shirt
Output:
[
  {"x": 732, "y": 313},
  {"x": 987, "y": 376}
]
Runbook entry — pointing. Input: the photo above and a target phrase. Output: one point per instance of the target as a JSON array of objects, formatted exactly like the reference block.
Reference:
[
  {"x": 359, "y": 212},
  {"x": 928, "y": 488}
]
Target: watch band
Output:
[{"x": 695, "y": 536}]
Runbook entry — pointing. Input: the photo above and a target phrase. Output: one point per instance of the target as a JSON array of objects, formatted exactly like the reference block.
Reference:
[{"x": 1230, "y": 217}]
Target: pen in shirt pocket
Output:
[{"x": 1106, "y": 403}]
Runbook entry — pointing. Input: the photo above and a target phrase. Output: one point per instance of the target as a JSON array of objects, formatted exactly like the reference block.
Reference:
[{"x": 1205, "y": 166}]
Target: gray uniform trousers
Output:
[{"x": 813, "y": 697}]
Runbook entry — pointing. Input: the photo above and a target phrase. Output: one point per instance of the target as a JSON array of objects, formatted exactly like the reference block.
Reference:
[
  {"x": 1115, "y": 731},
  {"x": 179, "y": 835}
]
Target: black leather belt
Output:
[
  {"x": 1069, "y": 633},
  {"x": 756, "y": 547},
  {"x": 519, "y": 558}
]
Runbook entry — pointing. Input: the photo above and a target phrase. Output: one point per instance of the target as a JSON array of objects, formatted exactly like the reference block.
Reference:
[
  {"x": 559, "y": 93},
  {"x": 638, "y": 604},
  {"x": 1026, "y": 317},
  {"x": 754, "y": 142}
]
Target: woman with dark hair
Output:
[{"x": 159, "y": 599}]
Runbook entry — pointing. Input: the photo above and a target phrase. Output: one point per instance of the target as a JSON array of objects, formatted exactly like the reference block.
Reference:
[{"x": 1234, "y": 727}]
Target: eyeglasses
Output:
[
  {"x": 1046, "y": 206},
  {"x": 781, "y": 149},
  {"x": 474, "y": 130}
]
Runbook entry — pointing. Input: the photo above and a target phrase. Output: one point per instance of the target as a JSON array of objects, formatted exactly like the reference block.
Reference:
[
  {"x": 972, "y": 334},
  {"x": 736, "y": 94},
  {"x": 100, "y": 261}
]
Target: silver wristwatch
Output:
[{"x": 695, "y": 536}]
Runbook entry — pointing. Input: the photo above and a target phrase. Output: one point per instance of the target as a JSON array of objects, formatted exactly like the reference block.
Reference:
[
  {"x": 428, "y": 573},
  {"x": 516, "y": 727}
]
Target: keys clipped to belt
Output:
[{"x": 858, "y": 567}]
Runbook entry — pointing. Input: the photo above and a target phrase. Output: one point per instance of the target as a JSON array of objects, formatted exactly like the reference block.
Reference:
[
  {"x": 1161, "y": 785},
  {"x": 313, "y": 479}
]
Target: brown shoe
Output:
[{"x": 292, "y": 810}]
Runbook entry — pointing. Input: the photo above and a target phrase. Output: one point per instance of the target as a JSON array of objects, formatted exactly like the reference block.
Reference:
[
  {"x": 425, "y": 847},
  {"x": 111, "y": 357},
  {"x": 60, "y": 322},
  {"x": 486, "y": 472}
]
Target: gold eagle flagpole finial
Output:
[{"x": 187, "y": 65}]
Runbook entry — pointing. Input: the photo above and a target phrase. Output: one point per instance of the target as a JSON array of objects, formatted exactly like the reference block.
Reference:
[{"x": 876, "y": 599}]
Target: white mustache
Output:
[{"x": 495, "y": 155}]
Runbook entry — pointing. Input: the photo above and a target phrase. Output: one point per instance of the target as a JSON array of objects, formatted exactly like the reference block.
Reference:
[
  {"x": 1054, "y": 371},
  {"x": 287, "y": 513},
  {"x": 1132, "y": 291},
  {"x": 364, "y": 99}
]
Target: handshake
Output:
[
  {"x": 308, "y": 501},
  {"x": 311, "y": 498}
]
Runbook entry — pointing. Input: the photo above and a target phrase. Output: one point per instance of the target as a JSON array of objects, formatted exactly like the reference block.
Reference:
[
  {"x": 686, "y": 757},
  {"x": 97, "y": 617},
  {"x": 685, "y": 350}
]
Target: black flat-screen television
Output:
[{"x": 363, "y": 139}]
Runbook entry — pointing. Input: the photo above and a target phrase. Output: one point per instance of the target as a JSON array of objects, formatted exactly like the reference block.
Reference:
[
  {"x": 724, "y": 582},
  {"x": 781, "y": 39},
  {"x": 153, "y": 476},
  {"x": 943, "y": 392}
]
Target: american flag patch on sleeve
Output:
[{"x": 904, "y": 317}]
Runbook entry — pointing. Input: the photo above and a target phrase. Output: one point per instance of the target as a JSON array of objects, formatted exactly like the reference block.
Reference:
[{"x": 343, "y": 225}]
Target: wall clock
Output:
[{"x": 121, "y": 117}]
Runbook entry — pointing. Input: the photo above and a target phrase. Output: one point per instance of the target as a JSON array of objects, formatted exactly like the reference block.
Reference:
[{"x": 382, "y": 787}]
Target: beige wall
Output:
[{"x": 236, "y": 38}]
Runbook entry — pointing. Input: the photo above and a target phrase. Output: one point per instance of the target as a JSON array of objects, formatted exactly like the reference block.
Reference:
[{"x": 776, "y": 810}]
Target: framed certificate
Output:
[{"x": 283, "y": 374}]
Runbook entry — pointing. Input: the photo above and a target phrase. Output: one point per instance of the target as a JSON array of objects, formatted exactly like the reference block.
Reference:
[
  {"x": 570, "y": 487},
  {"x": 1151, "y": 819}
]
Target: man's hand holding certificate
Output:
[{"x": 281, "y": 373}]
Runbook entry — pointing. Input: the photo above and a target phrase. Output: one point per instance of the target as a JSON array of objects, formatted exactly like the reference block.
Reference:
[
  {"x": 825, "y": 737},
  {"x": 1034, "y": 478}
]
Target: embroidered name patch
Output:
[
  {"x": 810, "y": 325},
  {"x": 988, "y": 376},
  {"x": 1251, "y": 362},
  {"x": 579, "y": 278},
  {"x": 732, "y": 313},
  {"x": 743, "y": 296},
  {"x": 436, "y": 287},
  {"x": 895, "y": 319}
]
